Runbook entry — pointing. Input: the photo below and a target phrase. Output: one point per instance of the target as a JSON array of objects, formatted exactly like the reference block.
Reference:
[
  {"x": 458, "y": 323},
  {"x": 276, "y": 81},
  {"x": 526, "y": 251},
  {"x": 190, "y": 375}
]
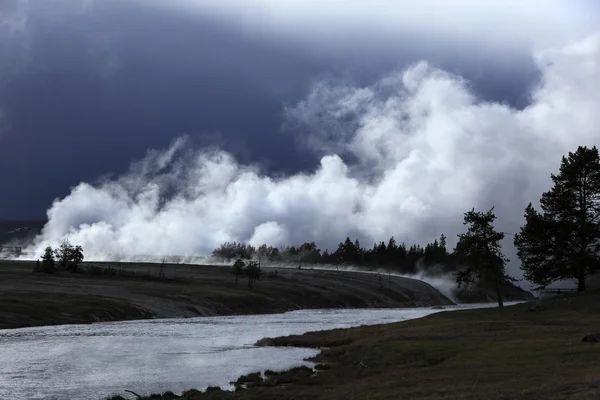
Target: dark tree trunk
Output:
[
  {"x": 496, "y": 272},
  {"x": 581, "y": 281},
  {"x": 500, "y": 302},
  {"x": 497, "y": 284}
]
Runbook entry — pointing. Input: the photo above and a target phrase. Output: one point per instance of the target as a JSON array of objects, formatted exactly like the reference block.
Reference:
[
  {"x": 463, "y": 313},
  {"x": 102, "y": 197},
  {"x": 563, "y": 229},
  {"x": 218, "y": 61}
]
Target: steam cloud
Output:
[{"x": 406, "y": 156}]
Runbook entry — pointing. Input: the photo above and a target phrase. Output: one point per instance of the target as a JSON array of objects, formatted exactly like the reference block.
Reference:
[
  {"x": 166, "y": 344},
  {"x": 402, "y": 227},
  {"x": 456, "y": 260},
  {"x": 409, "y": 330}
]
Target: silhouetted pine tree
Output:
[
  {"x": 563, "y": 242},
  {"x": 481, "y": 251}
]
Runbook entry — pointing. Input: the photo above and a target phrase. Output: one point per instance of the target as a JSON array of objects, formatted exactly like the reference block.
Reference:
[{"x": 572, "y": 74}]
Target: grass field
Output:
[{"x": 510, "y": 353}]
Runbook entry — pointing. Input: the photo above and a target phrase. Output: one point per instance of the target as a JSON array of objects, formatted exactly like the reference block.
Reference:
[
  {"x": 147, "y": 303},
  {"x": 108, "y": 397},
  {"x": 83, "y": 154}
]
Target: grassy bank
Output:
[
  {"x": 20, "y": 310},
  {"x": 125, "y": 291},
  {"x": 510, "y": 353}
]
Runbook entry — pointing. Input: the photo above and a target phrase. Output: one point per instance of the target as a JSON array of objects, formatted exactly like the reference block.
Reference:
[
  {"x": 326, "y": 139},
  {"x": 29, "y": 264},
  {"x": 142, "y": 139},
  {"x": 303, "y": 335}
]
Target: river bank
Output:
[
  {"x": 130, "y": 291},
  {"x": 95, "y": 361},
  {"x": 510, "y": 353}
]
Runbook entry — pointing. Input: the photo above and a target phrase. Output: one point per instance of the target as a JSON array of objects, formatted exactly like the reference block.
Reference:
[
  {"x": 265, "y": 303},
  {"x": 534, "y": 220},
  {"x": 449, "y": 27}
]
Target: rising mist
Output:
[{"x": 405, "y": 156}]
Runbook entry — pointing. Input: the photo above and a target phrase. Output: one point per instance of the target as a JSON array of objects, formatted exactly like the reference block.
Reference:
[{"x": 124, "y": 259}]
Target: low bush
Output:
[{"x": 44, "y": 267}]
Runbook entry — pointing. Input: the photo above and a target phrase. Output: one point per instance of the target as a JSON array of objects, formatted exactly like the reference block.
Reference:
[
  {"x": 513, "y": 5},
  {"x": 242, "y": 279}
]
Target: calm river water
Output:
[{"x": 98, "y": 360}]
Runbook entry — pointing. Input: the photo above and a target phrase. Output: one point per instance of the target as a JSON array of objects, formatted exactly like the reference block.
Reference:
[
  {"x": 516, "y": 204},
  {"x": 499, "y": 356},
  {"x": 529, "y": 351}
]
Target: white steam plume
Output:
[
  {"x": 425, "y": 149},
  {"x": 445, "y": 282}
]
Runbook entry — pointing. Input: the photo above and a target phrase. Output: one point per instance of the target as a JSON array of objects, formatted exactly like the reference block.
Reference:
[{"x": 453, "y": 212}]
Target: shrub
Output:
[
  {"x": 47, "y": 264},
  {"x": 69, "y": 256}
]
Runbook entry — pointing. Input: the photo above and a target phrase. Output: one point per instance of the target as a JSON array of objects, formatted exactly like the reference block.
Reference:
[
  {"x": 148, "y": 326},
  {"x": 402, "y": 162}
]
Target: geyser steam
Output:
[{"x": 425, "y": 149}]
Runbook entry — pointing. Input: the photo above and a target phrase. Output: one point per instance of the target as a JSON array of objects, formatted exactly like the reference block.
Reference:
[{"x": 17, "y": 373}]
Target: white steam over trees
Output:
[
  {"x": 422, "y": 144},
  {"x": 562, "y": 243}
]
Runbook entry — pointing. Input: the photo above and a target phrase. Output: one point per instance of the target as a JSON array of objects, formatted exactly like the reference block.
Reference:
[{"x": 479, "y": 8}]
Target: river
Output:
[{"x": 153, "y": 356}]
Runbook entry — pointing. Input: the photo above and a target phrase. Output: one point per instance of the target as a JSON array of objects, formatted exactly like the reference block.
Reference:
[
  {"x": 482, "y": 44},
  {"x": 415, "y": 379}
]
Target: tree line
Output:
[
  {"x": 560, "y": 241},
  {"x": 399, "y": 257}
]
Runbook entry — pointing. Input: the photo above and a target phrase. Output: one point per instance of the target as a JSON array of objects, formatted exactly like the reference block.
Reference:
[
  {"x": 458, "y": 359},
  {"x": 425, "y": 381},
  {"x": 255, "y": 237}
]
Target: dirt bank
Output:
[
  {"x": 510, "y": 353},
  {"x": 135, "y": 291},
  {"x": 486, "y": 293}
]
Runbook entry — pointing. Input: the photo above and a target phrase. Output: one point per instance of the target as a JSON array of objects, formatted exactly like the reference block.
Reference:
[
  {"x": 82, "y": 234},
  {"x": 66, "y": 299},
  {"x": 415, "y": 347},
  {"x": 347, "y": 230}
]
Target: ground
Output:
[
  {"x": 510, "y": 353},
  {"x": 135, "y": 292}
]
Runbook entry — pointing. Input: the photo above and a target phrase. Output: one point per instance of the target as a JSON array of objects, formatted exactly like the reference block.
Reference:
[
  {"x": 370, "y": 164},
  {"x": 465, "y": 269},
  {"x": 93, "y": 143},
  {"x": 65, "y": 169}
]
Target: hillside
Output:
[
  {"x": 134, "y": 291},
  {"x": 486, "y": 292}
]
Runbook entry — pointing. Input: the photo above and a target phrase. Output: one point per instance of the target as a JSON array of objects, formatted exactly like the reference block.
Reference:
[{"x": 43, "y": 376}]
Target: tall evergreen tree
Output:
[
  {"x": 481, "y": 252},
  {"x": 563, "y": 241},
  {"x": 392, "y": 252},
  {"x": 443, "y": 243}
]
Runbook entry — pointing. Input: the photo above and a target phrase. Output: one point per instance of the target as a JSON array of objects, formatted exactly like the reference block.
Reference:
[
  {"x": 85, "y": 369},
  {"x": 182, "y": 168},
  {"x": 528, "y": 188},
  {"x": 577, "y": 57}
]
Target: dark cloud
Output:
[{"x": 95, "y": 90}]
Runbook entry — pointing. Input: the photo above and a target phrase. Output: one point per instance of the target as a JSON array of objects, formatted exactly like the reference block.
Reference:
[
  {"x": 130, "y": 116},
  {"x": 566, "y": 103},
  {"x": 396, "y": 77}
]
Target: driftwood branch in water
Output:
[{"x": 134, "y": 393}]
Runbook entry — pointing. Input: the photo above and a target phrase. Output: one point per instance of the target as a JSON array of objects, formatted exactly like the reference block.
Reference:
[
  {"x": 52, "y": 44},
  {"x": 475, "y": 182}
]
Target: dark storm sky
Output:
[{"x": 83, "y": 93}]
